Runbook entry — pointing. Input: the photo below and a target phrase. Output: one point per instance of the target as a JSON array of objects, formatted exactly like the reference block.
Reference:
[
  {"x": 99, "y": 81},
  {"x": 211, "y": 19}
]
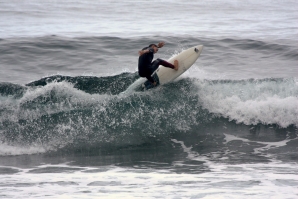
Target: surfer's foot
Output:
[{"x": 176, "y": 65}]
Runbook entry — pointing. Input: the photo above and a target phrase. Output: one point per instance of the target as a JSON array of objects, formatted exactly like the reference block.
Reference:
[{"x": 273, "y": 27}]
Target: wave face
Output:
[{"x": 75, "y": 113}]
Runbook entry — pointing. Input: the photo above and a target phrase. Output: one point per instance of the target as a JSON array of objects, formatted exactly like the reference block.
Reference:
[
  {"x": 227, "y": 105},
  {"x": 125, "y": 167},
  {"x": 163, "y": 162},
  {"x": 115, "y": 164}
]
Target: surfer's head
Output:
[{"x": 154, "y": 47}]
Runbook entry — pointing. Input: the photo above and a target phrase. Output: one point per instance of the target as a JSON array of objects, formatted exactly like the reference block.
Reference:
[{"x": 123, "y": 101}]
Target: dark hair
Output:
[{"x": 153, "y": 45}]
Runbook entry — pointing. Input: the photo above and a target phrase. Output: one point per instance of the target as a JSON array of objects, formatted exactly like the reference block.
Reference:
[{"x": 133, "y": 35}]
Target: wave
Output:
[{"x": 61, "y": 112}]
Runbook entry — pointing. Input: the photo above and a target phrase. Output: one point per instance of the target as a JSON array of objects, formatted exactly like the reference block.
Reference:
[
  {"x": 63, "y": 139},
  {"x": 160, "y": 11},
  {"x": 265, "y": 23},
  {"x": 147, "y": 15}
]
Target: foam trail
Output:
[
  {"x": 259, "y": 150},
  {"x": 192, "y": 155}
]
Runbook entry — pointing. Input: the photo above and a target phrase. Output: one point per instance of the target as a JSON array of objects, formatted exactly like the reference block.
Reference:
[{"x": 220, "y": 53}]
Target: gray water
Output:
[{"x": 227, "y": 128}]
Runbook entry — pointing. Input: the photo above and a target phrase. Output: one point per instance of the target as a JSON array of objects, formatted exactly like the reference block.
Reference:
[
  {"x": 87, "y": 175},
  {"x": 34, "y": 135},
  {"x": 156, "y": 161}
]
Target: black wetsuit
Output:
[{"x": 147, "y": 67}]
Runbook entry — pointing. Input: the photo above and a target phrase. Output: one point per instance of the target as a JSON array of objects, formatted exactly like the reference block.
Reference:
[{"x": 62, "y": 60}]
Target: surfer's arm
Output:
[{"x": 141, "y": 52}]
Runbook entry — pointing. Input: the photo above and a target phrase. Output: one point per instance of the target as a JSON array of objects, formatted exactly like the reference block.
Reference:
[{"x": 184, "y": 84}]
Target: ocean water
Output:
[{"x": 227, "y": 128}]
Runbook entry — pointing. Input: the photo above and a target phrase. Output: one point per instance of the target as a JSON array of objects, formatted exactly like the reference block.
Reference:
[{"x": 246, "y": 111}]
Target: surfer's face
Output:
[{"x": 155, "y": 49}]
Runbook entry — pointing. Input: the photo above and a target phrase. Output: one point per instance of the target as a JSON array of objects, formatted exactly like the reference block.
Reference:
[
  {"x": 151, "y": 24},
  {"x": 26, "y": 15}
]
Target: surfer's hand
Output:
[
  {"x": 154, "y": 83},
  {"x": 160, "y": 44}
]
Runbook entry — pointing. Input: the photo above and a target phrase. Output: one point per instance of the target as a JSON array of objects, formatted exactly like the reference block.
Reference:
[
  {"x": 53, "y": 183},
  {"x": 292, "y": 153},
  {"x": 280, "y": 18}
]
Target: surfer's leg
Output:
[
  {"x": 150, "y": 78},
  {"x": 147, "y": 74},
  {"x": 167, "y": 64},
  {"x": 155, "y": 65}
]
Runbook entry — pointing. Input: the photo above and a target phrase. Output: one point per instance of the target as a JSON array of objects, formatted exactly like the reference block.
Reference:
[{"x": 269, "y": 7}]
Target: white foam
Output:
[
  {"x": 63, "y": 90},
  {"x": 267, "y": 145},
  {"x": 257, "y": 181},
  {"x": 66, "y": 98},
  {"x": 252, "y": 102},
  {"x": 190, "y": 154},
  {"x": 6, "y": 149},
  {"x": 274, "y": 180},
  {"x": 229, "y": 138}
]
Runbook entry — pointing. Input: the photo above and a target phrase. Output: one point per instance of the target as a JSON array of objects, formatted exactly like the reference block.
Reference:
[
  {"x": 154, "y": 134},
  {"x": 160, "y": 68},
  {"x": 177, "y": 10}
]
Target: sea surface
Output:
[{"x": 70, "y": 128}]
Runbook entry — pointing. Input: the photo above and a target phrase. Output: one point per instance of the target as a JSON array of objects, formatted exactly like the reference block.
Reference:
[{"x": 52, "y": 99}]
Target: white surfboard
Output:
[{"x": 186, "y": 59}]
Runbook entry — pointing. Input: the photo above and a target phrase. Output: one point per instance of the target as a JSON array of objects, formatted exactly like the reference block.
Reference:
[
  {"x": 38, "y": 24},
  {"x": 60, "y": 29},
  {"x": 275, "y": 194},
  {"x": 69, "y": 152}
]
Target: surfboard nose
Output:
[{"x": 198, "y": 48}]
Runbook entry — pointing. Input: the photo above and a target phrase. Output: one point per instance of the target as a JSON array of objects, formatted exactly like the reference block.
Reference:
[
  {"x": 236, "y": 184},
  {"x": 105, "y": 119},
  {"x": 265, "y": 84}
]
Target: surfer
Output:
[{"x": 147, "y": 67}]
